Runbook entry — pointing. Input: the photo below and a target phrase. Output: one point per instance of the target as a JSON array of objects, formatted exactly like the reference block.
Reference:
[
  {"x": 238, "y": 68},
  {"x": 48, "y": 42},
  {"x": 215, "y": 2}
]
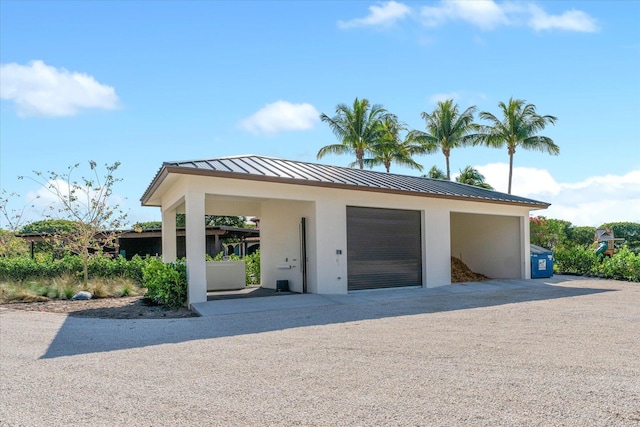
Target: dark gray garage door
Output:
[{"x": 384, "y": 248}]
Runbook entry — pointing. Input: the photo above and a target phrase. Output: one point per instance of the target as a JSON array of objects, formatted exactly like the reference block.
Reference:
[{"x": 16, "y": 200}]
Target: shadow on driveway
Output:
[{"x": 92, "y": 335}]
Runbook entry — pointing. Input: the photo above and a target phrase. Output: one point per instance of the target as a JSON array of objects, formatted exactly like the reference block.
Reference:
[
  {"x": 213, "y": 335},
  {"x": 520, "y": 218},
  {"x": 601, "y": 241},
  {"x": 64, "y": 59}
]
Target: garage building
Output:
[{"x": 333, "y": 230}]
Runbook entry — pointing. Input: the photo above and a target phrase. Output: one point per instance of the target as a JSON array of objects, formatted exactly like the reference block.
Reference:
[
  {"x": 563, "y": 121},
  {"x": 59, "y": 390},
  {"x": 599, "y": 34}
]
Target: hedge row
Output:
[
  {"x": 19, "y": 269},
  {"x": 166, "y": 283},
  {"x": 624, "y": 265}
]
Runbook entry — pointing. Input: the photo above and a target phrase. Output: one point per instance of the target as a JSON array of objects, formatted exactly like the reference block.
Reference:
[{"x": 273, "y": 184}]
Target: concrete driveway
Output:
[{"x": 560, "y": 351}]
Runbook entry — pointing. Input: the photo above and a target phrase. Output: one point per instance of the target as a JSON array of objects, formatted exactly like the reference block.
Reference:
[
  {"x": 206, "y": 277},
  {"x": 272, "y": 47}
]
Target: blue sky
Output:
[{"x": 146, "y": 82}]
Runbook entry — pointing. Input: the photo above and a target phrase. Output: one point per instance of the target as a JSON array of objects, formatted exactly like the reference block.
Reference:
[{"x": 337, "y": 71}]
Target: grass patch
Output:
[{"x": 65, "y": 287}]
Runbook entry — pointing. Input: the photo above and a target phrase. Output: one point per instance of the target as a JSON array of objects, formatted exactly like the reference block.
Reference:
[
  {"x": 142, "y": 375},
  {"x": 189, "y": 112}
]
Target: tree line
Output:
[{"x": 377, "y": 137}]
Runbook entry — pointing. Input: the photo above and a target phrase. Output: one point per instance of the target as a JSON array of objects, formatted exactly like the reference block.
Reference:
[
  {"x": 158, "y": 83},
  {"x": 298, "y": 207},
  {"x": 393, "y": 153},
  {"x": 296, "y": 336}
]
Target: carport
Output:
[
  {"x": 333, "y": 230},
  {"x": 490, "y": 244}
]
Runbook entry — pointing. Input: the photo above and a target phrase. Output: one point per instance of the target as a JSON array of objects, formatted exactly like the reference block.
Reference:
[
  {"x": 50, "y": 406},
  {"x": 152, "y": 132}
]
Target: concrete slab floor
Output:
[{"x": 297, "y": 301}]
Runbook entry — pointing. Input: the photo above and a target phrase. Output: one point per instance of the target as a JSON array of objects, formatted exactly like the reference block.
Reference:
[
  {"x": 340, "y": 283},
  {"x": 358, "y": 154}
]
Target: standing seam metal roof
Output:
[{"x": 296, "y": 172}]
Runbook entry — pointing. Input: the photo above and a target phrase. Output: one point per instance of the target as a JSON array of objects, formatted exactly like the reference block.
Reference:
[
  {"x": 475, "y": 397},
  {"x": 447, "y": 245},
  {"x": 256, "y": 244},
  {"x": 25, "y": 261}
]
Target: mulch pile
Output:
[{"x": 461, "y": 273}]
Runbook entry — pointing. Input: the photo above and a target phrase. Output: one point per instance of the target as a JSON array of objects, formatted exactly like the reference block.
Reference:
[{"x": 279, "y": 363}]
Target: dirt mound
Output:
[{"x": 461, "y": 273}]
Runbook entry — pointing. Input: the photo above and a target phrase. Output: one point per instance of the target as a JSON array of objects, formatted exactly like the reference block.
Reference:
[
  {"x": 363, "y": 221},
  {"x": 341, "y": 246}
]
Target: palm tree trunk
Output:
[
  {"x": 446, "y": 156},
  {"x": 510, "y": 170}
]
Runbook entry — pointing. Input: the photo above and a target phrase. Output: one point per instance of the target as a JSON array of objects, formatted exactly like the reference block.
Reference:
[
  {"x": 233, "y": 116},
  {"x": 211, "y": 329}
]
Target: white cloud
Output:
[
  {"x": 441, "y": 97},
  {"x": 485, "y": 14},
  {"x": 380, "y": 16},
  {"x": 43, "y": 202},
  {"x": 593, "y": 201},
  {"x": 281, "y": 116},
  {"x": 572, "y": 20},
  {"x": 488, "y": 15},
  {"x": 38, "y": 89}
]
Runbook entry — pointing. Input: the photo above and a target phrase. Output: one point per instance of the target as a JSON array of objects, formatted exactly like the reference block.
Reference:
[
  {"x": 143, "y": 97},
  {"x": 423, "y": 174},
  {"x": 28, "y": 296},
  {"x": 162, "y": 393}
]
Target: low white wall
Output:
[{"x": 225, "y": 275}]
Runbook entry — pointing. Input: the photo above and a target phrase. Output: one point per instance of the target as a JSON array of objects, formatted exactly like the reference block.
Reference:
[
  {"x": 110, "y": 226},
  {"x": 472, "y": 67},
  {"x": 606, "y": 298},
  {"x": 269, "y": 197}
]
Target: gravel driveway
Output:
[{"x": 564, "y": 352}]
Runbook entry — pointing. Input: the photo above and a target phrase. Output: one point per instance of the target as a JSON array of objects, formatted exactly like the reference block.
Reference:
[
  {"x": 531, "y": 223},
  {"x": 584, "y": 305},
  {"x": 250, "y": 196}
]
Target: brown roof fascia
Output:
[
  {"x": 235, "y": 175},
  {"x": 220, "y": 230},
  {"x": 157, "y": 180}
]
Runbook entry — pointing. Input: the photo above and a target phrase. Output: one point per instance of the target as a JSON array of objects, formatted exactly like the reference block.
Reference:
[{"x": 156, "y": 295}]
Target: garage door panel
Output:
[{"x": 384, "y": 248}]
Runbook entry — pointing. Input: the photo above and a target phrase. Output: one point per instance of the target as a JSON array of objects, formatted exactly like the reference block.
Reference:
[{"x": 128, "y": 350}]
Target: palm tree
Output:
[
  {"x": 391, "y": 148},
  {"x": 446, "y": 129},
  {"x": 356, "y": 127},
  {"x": 435, "y": 173},
  {"x": 518, "y": 128},
  {"x": 472, "y": 176}
]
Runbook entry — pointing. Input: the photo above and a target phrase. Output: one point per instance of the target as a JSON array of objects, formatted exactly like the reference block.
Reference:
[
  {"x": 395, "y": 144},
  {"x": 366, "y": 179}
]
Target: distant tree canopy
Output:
[
  {"x": 555, "y": 233},
  {"x": 149, "y": 225},
  {"x": 549, "y": 233},
  {"x": 583, "y": 236},
  {"x": 228, "y": 221},
  {"x": 49, "y": 226},
  {"x": 212, "y": 220},
  {"x": 12, "y": 246},
  {"x": 209, "y": 220}
]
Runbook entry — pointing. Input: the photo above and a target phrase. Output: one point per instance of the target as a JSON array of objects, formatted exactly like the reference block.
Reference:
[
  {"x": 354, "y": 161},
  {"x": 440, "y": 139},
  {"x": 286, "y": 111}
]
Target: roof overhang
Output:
[{"x": 167, "y": 172}]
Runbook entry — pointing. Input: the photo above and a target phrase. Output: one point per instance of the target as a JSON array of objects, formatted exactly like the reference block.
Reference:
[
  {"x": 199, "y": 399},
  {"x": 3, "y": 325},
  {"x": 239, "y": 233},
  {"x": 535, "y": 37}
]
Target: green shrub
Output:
[
  {"x": 220, "y": 255},
  {"x": 166, "y": 283},
  {"x": 252, "y": 268},
  {"x": 624, "y": 265},
  {"x": 576, "y": 260},
  {"x": 134, "y": 268}
]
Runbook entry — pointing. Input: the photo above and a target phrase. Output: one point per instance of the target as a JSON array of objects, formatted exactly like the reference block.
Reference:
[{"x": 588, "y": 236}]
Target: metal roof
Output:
[{"x": 304, "y": 173}]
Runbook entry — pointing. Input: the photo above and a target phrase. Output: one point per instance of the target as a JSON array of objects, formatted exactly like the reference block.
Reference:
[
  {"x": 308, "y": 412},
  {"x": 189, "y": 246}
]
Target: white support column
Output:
[
  {"x": 525, "y": 238},
  {"x": 169, "y": 250},
  {"x": 195, "y": 248},
  {"x": 437, "y": 244},
  {"x": 328, "y": 257}
]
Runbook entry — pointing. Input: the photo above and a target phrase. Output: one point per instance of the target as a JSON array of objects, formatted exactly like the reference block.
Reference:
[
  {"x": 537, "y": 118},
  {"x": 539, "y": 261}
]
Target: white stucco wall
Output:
[
  {"x": 331, "y": 235},
  {"x": 280, "y": 242},
  {"x": 281, "y": 207}
]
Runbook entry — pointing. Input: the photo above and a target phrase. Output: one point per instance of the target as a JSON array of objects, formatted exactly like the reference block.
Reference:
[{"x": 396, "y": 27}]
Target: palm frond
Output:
[{"x": 332, "y": 149}]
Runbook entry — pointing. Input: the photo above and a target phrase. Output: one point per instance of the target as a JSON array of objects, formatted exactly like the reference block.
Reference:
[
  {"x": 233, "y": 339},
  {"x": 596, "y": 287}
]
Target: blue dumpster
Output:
[{"x": 541, "y": 262}]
